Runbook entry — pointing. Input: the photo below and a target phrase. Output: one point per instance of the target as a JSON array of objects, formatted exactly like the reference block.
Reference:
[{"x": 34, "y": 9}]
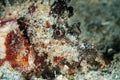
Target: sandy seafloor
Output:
[{"x": 100, "y": 25}]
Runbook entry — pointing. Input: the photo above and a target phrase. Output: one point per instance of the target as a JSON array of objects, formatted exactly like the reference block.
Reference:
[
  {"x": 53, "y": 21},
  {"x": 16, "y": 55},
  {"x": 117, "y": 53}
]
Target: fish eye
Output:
[{"x": 58, "y": 33}]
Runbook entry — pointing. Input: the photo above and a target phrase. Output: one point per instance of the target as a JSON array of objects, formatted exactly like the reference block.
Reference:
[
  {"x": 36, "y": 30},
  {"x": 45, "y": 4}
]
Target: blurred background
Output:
[{"x": 100, "y": 25}]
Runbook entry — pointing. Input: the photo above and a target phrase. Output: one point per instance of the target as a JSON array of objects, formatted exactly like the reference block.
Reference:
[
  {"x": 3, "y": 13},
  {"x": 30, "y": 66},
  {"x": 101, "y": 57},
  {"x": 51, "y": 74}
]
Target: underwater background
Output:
[{"x": 100, "y": 26}]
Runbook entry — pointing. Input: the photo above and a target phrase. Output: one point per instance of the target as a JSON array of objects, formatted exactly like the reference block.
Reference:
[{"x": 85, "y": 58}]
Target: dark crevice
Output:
[{"x": 23, "y": 27}]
